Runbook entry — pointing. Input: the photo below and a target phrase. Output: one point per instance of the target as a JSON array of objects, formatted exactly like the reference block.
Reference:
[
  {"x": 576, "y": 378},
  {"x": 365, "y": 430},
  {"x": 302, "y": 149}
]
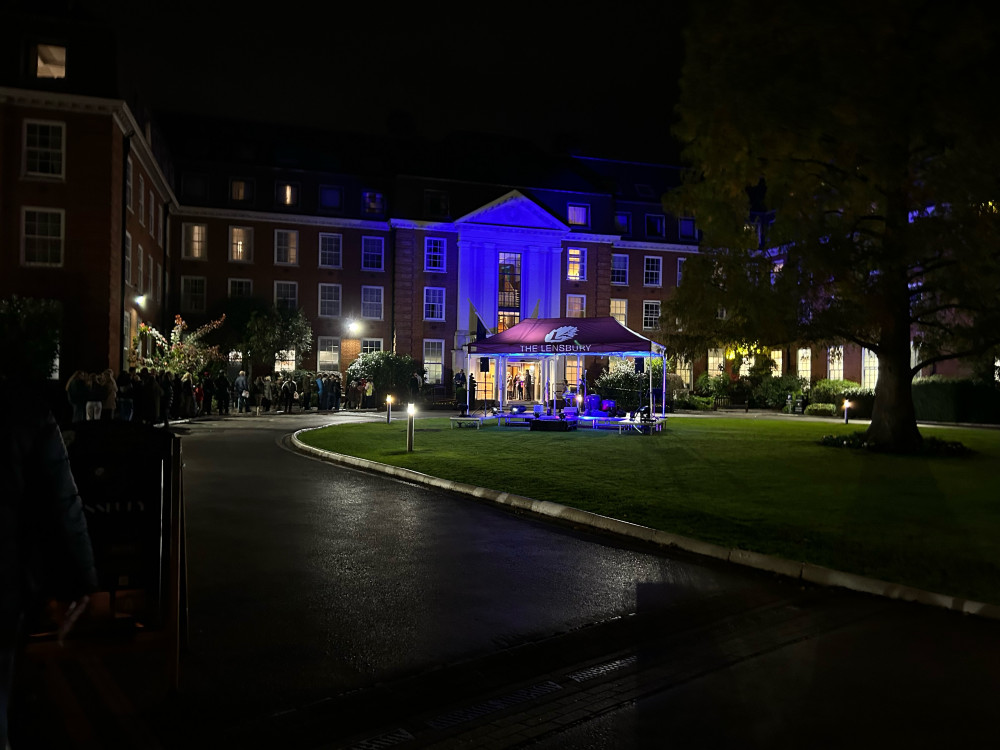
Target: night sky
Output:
[{"x": 598, "y": 79}]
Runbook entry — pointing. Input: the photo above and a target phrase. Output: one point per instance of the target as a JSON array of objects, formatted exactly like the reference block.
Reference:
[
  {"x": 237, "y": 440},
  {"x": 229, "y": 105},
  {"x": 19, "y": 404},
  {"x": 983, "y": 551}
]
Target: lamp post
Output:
[
  {"x": 410, "y": 411},
  {"x": 388, "y": 409},
  {"x": 847, "y": 405}
]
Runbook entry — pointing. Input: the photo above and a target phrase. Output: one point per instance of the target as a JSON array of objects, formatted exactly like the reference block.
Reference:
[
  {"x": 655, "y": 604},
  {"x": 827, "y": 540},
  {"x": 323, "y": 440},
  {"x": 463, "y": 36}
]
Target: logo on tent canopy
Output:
[{"x": 562, "y": 333}]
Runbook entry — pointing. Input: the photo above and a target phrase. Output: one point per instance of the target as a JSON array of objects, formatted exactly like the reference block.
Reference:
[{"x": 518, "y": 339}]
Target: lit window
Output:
[
  {"x": 685, "y": 369},
  {"x": 286, "y": 361},
  {"x": 623, "y": 222},
  {"x": 329, "y": 300},
  {"x": 434, "y": 361},
  {"x": 776, "y": 359},
  {"x": 652, "y": 272},
  {"x": 330, "y": 250},
  {"x": 192, "y": 293},
  {"x": 619, "y": 310},
  {"x": 434, "y": 254},
  {"x": 327, "y": 354},
  {"x": 578, "y": 215},
  {"x": 371, "y": 302},
  {"x": 42, "y": 237},
  {"x": 286, "y": 247},
  {"x": 835, "y": 363},
  {"x": 869, "y": 369},
  {"x": 433, "y": 303},
  {"x": 576, "y": 306},
  {"x": 372, "y": 202},
  {"x": 656, "y": 225},
  {"x": 240, "y": 191},
  {"x": 287, "y": 194},
  {"x": 651, "y": 315},
  {"x": 195, "y": 242},
  {"x": 240, "y": 287},
  {"x": 576, "y": 263},
  {"x": 331, "y": 198},
  {"x": 50, "y": 61},
  {"x": 371, "y": 253},
  {"x": 241, "y": 244},
  {"x": 686, "y": 228},
  {"x": 804, "y": 369},
  {"x": 370, "y": 346},
  {"x": 680, "y": 270},
  {"x": 44, "y": 145},
  {"x": 716, "y": 361},
  {"x": 286, "y": 295},
  {"x": 619, "y": 270}
]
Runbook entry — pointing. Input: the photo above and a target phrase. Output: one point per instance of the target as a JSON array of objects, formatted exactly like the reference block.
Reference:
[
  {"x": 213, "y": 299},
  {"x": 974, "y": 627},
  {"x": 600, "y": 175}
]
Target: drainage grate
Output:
[
  {"x": 383, "y": 740},
  {"x": 463, "y": 715},
  {"x": 603, "y": 669}
]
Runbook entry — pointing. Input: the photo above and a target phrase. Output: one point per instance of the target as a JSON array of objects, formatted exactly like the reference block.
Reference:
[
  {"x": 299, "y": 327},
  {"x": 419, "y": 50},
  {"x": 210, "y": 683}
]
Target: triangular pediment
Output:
[{"x": 513, "y": 209}]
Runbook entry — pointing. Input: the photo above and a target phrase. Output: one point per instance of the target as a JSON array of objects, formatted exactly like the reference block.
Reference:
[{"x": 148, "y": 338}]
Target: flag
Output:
[{"x": 482, "y": 331}]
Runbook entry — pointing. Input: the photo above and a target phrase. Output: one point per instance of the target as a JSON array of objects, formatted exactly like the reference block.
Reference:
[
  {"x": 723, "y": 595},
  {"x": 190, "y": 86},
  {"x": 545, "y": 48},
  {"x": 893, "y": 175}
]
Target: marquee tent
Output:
[{"x": 539, "y": 338}]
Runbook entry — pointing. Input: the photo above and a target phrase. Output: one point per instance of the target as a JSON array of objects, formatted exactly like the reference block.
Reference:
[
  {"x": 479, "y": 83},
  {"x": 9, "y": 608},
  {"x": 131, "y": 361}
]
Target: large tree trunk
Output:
[{"x": 894, "y": 421}]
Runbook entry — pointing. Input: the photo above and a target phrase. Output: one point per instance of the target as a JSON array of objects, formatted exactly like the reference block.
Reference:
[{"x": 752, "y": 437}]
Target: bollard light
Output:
[
  {"x": 847, "y": 405},
  {"x": 410, "y": 411},
  {"x": 388, "y": 409}
]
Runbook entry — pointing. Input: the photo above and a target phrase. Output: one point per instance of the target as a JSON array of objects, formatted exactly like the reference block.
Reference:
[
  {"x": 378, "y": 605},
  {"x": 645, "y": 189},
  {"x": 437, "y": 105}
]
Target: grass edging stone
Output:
[{"x": 815, "y": 574}]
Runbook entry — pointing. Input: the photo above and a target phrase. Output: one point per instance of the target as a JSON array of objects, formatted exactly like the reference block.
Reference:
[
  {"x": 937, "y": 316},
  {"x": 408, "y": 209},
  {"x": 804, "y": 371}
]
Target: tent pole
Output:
[{"x": 663, "y": 387}]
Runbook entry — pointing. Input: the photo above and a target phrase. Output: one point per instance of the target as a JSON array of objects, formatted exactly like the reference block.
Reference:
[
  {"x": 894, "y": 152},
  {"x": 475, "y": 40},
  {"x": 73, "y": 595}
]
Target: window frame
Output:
[
  {"x": 661, "y": 222},
  {"x": 581, "y": 263},
  {"x": 646, "y": 272},
  {"x": 680, "y": 270},
  {"x": 61, "y": 213},
  {"x": 186, "y": 294},
  {"x": 186, "y": 241},
  {"x": 627, "y": 229},
  {"x": 365, "y": 253},
  {"x": 373, "y": 202},
  {"x": 248, "y": 240},
  {"x": 335, "y": 345},
  {"x": 129, "y": 169},
  {"x": 367, "y": 348},
  {"x": 229, "y": 287},
  {"x": 611, "y": 309},
  {"x": 645, "y": 314},
  {"x": 292, "y": 247},
  {"x": 330, "y": 188},
  {"x": 428, "y": 253},
  {"x": 339, "y": 301},
  {"x": 681, "y": 222},
  {"x": 582, "y": 207},
  {"x": 583, "y": 305},
  {"x": 626, "y": 257},
  {"x": 381, "y": 302},
  {"x": 430, "y": 379},
  {"x": 339, "y": 251},
  {"x": 427, "y": 305},
  {"x": 26, "y": 150},
  {"x": 285, "y": 283},
  {"x": 281, "y": 189},
  {"x": 128, "y": 259}
]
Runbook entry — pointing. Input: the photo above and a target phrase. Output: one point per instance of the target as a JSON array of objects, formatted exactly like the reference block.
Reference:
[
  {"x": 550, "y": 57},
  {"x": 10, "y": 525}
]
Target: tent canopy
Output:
[{"x": 545, "y": 337}]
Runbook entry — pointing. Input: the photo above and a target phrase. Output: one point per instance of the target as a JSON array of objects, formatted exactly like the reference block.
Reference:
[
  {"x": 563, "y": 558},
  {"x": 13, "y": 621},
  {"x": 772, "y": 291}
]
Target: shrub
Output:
[
  {"x": 693, "y": 403},
  {"x": 821, "y": 410},
  {"x": 772, "y": 393},
  {"x": 831, "y": 391},
  {"x": 862, "y": 400},
  {"x": 941, "y": 399}
]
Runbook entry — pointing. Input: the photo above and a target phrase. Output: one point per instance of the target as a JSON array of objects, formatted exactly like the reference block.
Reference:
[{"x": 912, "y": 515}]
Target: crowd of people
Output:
[{"x": 152, "y": 396}]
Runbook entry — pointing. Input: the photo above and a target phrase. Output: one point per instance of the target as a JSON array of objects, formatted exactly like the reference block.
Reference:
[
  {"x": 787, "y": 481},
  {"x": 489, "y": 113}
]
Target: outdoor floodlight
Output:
[{"x": 847, "y": 405}]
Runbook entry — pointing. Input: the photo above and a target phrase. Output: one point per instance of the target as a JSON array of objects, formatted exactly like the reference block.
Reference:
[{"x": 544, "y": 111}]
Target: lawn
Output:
[{"x": 764, "y": 485}]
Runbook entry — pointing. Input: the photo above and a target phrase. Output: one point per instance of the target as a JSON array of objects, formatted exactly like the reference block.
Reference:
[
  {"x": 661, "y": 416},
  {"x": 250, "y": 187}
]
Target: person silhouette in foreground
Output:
[{"x": 45, "y": 550}]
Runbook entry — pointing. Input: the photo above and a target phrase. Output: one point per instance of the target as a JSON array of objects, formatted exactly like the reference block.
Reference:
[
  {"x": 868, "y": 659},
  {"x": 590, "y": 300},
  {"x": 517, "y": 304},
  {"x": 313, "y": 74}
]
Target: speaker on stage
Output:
[
  {"x": 640, "y": 364},
  {"x": 484, "y": 364}
]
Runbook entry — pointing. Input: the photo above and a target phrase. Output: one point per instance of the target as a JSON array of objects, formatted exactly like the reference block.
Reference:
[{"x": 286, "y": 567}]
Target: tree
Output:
[
  {"x": 29, "y": 337},
  {"x": 388, "y": 372},
  {"x": 869, "y": 131},
  {"x": 234, "y": 336},
  {"x": 275, "y": 331},
  {"x": 184, "y": 352}
]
